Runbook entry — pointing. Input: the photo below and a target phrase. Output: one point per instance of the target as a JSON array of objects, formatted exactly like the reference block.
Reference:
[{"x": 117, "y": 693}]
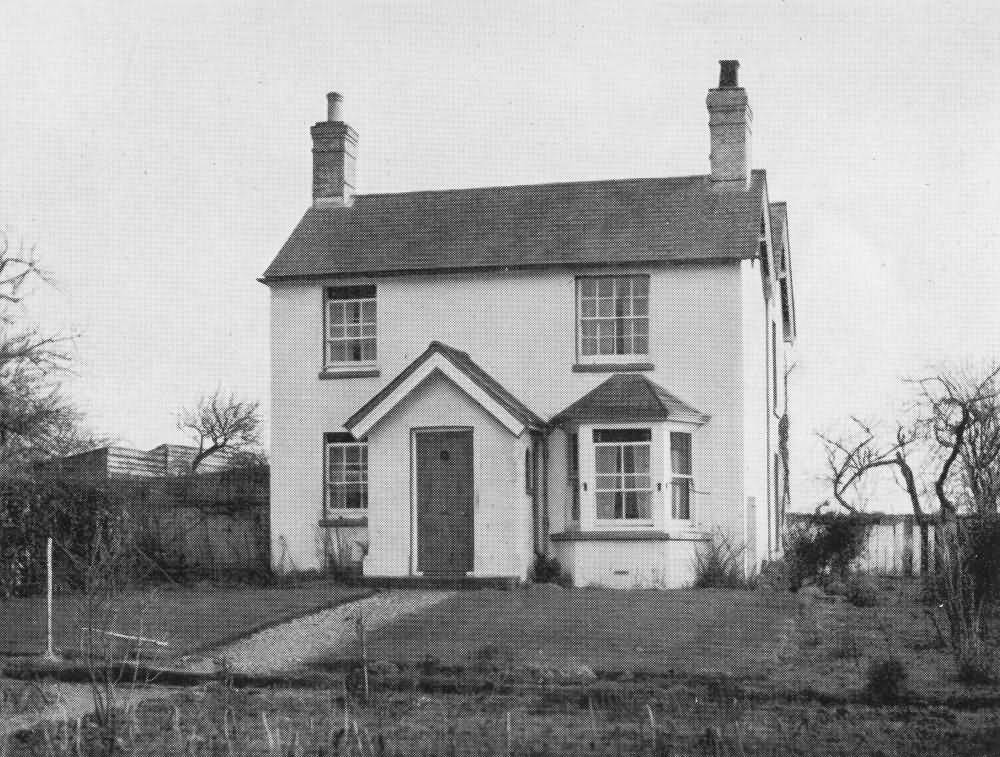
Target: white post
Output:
[{"x": 49, "y": 650}]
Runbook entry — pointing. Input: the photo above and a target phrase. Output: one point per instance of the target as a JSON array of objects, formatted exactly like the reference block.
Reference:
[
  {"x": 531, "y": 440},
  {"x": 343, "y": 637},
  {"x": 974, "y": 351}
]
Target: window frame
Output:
[
  {"x": 616, "y": 357},
  {"x": 677, "y": 476},
  {"x": 344, "y": 442},
  {"x": 573, "y": 474},
  {"x": 648, "y": 444},
  {"x": 329, "y": 302},
  {"x": 529, "y": 468}
]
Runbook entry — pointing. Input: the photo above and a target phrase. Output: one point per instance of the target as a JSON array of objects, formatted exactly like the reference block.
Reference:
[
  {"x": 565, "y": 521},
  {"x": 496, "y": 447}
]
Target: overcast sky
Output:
[{"x": 158, "y": 155}]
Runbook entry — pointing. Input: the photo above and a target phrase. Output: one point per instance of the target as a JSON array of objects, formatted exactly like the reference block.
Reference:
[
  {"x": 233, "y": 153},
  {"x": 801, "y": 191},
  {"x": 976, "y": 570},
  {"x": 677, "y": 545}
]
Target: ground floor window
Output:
[
  {"x": 573, "y": 475},
  {"x": 623, "y": 486},
  {"x": 680, "y": 468},
  {"x": 346, "y": 472}
]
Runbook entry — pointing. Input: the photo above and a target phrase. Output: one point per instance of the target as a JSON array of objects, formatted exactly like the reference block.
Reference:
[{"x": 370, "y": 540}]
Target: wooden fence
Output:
[
  {"x": 208, "y": 526},
  {"x": 897, "y": 544}
]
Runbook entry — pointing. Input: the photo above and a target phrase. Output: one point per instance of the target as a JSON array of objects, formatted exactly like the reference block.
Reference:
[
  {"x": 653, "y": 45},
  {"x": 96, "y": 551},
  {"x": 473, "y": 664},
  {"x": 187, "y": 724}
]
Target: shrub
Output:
[
  {"x": 965, "y": 586},
  {"x": 802, "y": 558},
  {"x": 547, "y": 570},
  {"x": 861, "y": 592},
  {"x": 719, "y": 565},
  {"x": 886, "y": 679},
  {"x": 828, "y": 545},
  {"x": 977, "y": 665},
  {"x": 842, "y": 540}
]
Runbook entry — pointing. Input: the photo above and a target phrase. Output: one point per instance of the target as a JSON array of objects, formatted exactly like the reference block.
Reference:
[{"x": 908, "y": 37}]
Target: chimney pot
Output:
[
  {"x": 730, "y": 122},
  {"x": 729, "y": 74},
  {"x": 335, "y": 145},
  {"x": 334, "y": 111}
]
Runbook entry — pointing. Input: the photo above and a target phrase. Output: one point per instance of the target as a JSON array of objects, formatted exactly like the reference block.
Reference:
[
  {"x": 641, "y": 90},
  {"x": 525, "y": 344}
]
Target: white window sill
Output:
[
  {"x": 623, "y": 525},
  {"x": 345, "y": 519},
  {"x": 626, "y": 363},
  {"x": 350, "y": 370}
]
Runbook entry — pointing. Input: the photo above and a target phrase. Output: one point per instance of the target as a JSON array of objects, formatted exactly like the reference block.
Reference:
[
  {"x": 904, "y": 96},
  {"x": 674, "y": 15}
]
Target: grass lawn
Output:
[
  {"x": 605, "y": 629},
  {"x": 772, "y": 640},
  {"x": 187, "y": 617}
]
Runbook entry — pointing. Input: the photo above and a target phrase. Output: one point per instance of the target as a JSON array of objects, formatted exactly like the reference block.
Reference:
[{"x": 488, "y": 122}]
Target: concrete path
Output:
[{"x": 324, "y": 635}]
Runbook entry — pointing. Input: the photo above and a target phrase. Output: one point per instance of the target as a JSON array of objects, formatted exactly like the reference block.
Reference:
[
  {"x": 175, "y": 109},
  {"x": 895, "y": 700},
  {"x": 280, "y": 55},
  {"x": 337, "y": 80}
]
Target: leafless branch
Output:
[{"x": 219, "y": 423}]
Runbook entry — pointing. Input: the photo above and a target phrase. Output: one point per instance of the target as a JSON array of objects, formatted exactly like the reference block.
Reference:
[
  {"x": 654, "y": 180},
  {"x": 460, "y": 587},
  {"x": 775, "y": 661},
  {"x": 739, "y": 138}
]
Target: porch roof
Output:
[
  {"x": 629, "y": 397},
  {"x": 457, "y": 365}
]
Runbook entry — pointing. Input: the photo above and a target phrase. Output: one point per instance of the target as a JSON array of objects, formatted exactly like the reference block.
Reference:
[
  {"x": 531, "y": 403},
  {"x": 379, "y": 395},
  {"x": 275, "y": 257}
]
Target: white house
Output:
[{"x": 594, "y": 370}]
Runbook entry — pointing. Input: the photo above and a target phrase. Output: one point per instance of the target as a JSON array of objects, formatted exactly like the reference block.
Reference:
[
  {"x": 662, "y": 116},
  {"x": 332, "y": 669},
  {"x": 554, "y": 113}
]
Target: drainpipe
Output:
[
  {"x": 544, "y": 440},
  {"x": 533, "y": 485}
]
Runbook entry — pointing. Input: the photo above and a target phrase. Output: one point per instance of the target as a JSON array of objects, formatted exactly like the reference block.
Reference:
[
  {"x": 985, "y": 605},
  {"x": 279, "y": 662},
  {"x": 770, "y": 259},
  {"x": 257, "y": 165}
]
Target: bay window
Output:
[
  {"x": 623, "y": 488},
  {"x": 680, "y": 469}
]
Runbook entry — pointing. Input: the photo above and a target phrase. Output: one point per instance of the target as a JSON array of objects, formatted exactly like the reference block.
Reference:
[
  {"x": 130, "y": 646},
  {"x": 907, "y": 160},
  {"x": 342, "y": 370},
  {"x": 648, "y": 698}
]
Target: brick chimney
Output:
[
  {"x": 730, "y": 120},
  {"x": 335, "y": 145}
]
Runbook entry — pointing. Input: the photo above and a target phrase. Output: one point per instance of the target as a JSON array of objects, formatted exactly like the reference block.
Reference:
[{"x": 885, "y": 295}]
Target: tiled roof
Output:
[
  {"x": 591, "y": 223},
  {"x": 629, "y": 397},
  {"x": 464, "y": 363}
]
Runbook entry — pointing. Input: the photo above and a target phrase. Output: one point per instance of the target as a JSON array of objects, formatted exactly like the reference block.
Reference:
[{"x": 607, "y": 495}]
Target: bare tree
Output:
[
  {"x": 31, "y": 406},
  {"x": 219, "y": 423},
  {"x": 956, "y": 432},
  {"x": 961, "y": 414},
  {"x": 852, "y": 458}
]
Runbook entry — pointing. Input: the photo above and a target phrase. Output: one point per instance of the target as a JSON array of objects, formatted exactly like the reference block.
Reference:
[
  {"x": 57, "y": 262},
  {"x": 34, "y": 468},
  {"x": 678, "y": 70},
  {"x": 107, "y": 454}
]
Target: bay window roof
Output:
[{"x": 626, "y": 397}]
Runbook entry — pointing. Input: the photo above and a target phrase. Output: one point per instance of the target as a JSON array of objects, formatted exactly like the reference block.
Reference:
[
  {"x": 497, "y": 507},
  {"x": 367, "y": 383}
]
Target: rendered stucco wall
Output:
[
  {"x": 520, "y": 327},
  {"x": 502, "y": 510},
  {"x": 756, "y": 410},
  {"x": 629, "y": 564}
]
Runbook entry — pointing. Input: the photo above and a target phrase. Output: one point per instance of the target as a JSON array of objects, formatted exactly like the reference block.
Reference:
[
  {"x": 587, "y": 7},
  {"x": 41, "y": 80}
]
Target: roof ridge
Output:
[{"x": 581, "y": 182}]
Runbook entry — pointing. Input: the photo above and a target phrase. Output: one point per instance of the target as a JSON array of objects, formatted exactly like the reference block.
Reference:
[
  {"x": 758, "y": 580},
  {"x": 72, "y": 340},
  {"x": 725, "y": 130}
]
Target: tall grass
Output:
[{"x": 719, "y": 565}]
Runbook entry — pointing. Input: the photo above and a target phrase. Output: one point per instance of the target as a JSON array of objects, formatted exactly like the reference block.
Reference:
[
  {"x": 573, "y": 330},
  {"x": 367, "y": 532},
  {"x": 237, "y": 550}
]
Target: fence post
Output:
[{"x": 50, "y": 653}]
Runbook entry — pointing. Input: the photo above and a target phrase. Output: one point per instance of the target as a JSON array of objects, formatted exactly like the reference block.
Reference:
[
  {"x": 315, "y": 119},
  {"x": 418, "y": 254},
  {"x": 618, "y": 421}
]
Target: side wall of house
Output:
[
  {"x": 756, "y": 412},
  {"x": 519, "y": 326}
]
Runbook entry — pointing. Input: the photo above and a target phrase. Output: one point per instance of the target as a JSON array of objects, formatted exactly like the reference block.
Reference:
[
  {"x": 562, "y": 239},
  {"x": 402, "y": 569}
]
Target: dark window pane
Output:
[
  {"x": 622, "y": 435},
  {"x": 338, "y": 352},
  {"x": 680, "y": 453},
  {"x": 366, "y": 292},
  {"x": 680, "y": 508},
  {"x": 606, "y": 505}
]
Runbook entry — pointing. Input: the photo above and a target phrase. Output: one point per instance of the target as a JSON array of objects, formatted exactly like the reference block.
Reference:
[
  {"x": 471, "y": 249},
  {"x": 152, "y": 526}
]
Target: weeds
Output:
[
  {"x": 719, "y": 565},
  {"x": 861, "y": 592},
  {"x": 886, "y": 678}
]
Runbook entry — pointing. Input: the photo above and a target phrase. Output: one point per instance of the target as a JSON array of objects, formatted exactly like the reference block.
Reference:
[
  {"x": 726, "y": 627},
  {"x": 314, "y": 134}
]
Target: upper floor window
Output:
[
  {"x": 623, "y": 486},
  {"x": 347, "y": 472},
  {"x": 350, "y": 324},
  {"x": 613, "y": 315}
]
